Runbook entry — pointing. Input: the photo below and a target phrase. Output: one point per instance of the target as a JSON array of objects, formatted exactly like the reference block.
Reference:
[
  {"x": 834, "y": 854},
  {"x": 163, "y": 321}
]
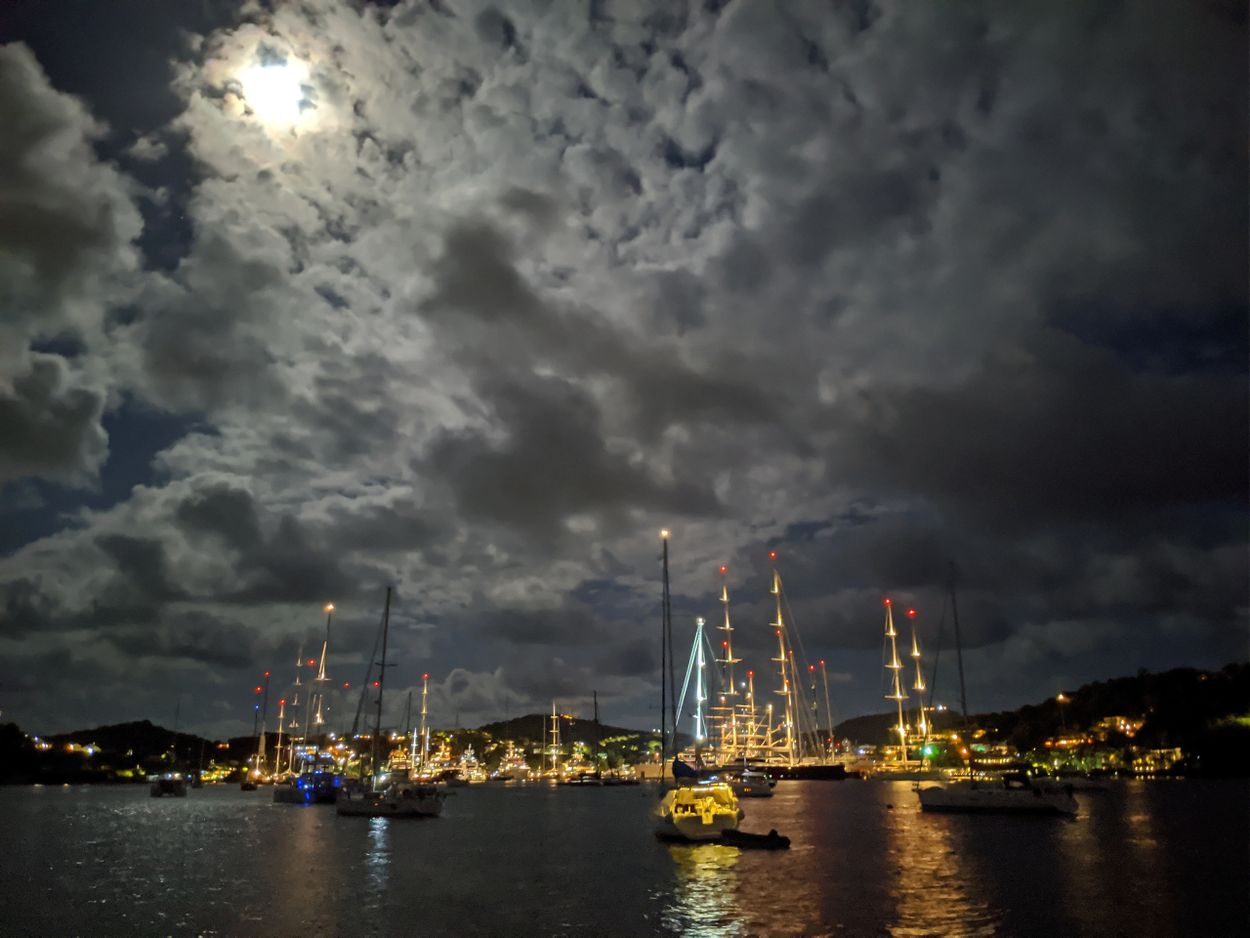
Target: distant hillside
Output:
[
  {"x": 1195, "y": 710},
  {"x": 534, "y": 726}
]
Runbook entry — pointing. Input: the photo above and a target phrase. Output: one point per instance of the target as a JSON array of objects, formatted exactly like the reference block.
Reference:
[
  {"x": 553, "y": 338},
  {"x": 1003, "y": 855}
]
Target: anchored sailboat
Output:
[
  {"x": 688, "y": 811},
  {"x": 1014, "y": 794},
  {"x": 389, "y": 796}
]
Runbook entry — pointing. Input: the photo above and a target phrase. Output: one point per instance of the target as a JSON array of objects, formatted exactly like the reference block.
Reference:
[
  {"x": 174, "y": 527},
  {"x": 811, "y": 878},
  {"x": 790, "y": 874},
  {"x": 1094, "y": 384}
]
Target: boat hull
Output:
[
  {"x": 987, "y": 799},
  {"x": 409, "y": 803},
  {"x": 833, "y": 772},
  {"x": 173, "y": 787},
  {"x": 698, "y": 813}
]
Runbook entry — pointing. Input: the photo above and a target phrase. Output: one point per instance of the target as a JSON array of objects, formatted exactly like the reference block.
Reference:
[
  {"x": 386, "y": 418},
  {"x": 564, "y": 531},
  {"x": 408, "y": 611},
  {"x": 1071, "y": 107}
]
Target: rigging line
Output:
[
  {"x": 685, "y": 684},
  {"x": 364, "y": 688},
  {"x": 937, "y": 653},
  {"x": 803, "y": 659}
]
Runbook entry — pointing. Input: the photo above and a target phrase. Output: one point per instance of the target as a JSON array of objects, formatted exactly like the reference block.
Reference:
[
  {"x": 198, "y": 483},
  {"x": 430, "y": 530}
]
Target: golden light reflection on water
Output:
[
  {"x": 378, "y": 855},
  {"x": 932, "y": 882},
  {"x": 704, "y": 901}
]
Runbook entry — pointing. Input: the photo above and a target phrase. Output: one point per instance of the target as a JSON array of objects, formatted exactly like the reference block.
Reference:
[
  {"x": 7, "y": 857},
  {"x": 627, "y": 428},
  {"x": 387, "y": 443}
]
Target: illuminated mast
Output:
[
  {"x": 319, "y": 719},
  {"x": 922, "y": 723},
  {"x": 751, "y": 710},
  {"x": 824, "y": 676},
  {"x": 277, "y": 759},
  {"x": 555, "y": 738},
  {"x": 424, "y": 732},
  {"x": 895, "y": 667},
  {"x": 728, "y": 662},
  {"x": 783, "y": 663},
  {"x": 295, "y": 724},
  {"x": 666, "y": 643}
]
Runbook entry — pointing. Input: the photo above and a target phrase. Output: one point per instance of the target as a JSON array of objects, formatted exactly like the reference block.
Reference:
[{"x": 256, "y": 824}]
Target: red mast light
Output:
[
  {"x": 772, "y": 555},
  {"x": 887, "y": 600},
  {"x": 911, "y": 613}
]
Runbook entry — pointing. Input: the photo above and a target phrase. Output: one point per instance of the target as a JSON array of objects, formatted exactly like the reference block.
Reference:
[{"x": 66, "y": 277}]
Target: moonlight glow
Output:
[{"x": 274, "y": 93}]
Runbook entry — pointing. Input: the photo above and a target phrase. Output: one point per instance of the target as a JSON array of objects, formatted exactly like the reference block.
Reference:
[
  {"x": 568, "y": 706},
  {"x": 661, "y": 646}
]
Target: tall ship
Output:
[
  {"x": 309, "y": 775},
  {"x": 911, "y": 731},
  {"x": 783, "y": 735}
]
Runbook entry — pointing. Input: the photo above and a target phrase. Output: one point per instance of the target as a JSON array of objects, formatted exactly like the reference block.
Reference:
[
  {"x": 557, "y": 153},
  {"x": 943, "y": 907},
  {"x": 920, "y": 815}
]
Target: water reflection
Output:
[
  {"x": 1096, "y": 879},
  {"x": 378, "y": 855},
  {"x": 930, "y": 877},
  {"x": 704, "y": 899}
]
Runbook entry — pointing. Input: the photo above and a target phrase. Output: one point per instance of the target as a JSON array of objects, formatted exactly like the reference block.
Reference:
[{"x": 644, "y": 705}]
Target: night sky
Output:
[{"x": 298, "y": 301}]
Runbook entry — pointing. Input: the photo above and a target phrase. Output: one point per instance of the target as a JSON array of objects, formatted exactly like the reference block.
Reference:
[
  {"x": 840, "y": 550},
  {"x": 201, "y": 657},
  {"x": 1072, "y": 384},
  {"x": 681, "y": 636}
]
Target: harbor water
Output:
[{"x": 1143, "y": 858}]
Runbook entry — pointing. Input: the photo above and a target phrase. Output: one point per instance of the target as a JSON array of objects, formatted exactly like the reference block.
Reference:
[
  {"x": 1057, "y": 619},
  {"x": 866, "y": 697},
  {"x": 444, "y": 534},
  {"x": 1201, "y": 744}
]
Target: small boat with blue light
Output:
[{"x": 309, "y": 788}]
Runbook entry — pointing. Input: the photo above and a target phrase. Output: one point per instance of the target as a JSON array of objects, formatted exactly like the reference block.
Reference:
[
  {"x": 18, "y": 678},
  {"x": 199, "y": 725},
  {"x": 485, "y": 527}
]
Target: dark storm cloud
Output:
[
  {"x": 292, "y": 562},
  {"x": 203, "y": 337},
  {"x": 26, "y": 609},
  {"x": 198, "y": 637},
  {"x": 48, "y": 428},
  {"x": 482, "y": 301},
  {"x": 553, "y": 464},
  {"x": 229, "y": 513},
  {"x": 142, "y": 567},
  {"x": 1063, "y": 434},
  {"x": 561, "y": 626}
]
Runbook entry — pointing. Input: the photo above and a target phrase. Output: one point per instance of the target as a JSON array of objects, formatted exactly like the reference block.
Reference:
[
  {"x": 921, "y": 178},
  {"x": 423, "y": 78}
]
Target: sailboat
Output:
[
  {"x": 1011, "y": 794},
  {"x": 313, "y": 785},
  {"x": 173, "y": 782},
  {"x": 390, "y": 796},
  {"x": 691, "y": 810}
]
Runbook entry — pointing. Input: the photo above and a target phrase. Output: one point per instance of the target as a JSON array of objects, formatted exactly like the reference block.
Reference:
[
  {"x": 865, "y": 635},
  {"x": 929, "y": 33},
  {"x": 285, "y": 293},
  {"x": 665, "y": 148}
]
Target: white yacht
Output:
[{"x": 1010, "y": 794}]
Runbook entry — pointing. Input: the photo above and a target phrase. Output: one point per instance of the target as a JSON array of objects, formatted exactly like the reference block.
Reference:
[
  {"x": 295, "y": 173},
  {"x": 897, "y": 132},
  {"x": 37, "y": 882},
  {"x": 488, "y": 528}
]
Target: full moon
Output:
[{"x": 274, "y": 93}]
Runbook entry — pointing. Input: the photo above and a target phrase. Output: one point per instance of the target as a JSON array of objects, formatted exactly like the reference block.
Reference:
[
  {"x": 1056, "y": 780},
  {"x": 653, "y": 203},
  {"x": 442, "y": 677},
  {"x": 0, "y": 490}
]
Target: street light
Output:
[{"x": 1061, "y": 700}]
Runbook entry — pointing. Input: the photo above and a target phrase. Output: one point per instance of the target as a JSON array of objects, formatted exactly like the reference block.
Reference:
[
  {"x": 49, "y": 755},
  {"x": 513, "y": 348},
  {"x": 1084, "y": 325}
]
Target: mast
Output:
[
  {"x": 665, "y": 665},
  {"x": 554, "y": 732},
  {"x": 824, "y": 676},
  {"x": 895, "y": 668},
  {"x": 728, "y": 662},
  {"x": 700, "y": 686},
  {"x": 264, "y": 719},
  {"x": 751, "y": 710},
  {"x": 408, "y": 734},
  {"x": 959, "y": 657},
  {"x": 377, "y": 724},
  {"x": 922, "y": 723},
  {"x": 783, "y": 661},
  {"x": 277, "y": 756},
  {"x": 425, "y": 729},
  {"x": 594, "y": 695}
]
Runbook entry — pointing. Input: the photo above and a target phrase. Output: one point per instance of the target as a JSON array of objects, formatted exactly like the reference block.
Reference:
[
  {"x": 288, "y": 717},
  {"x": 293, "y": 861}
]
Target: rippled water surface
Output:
[{"x": 1158, "y": 858}]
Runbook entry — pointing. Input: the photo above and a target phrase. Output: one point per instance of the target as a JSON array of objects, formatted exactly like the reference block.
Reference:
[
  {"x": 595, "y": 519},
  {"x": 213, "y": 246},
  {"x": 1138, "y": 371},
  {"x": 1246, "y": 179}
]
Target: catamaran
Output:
[{"x": 1015, "y": 794}]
